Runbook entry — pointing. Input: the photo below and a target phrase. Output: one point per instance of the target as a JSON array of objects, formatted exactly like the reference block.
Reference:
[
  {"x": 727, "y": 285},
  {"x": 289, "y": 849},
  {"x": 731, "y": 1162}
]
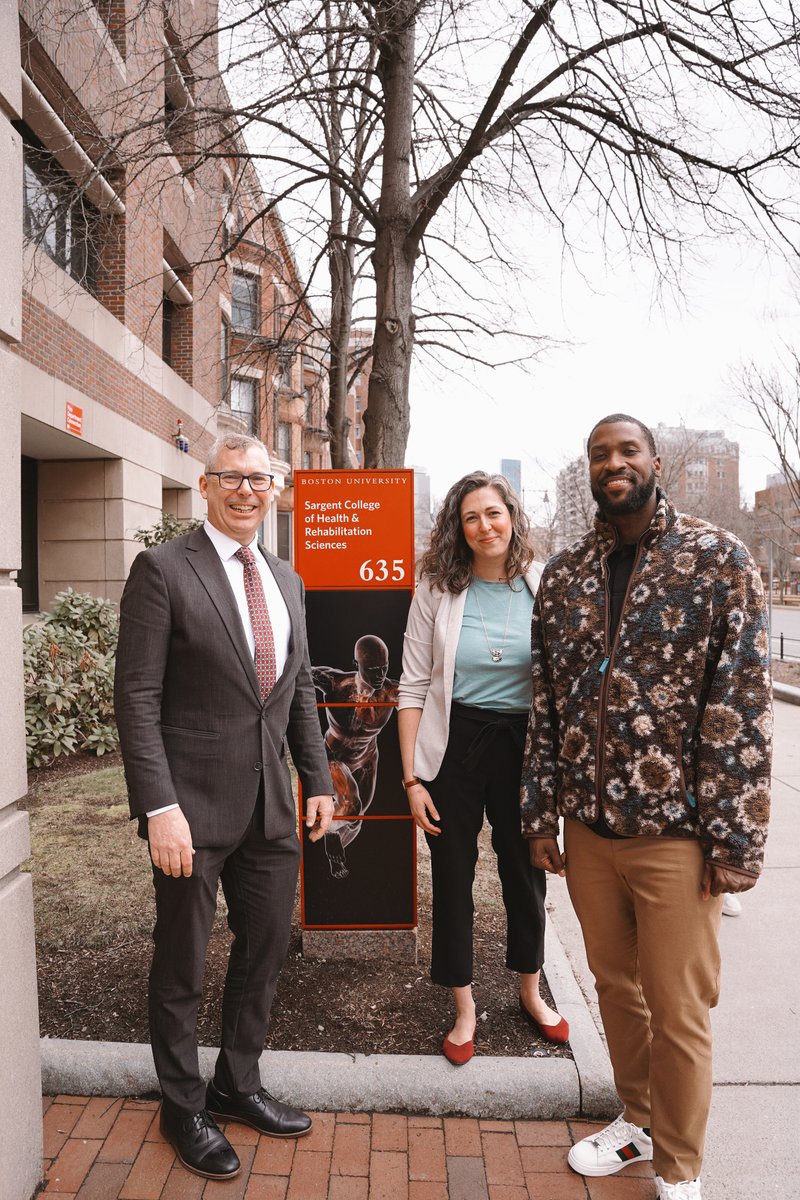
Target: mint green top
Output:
[{"x": 504, "y": 685}]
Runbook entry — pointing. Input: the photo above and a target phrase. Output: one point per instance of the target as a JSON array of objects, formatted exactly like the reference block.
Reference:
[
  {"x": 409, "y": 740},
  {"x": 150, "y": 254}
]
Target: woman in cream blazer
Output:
[{"x": 462, "y": 715}]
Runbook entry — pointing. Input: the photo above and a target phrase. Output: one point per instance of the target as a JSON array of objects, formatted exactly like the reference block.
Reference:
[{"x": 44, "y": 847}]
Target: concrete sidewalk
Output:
[{"x": 755, "y": 1116}]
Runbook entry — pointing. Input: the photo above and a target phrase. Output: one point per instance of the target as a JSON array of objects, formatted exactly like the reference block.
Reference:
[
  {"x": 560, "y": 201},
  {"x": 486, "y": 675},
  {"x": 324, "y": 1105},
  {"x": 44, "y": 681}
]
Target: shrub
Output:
[
  {"x": 166, "y": 529},
  {"x": 68, "y": 662}
]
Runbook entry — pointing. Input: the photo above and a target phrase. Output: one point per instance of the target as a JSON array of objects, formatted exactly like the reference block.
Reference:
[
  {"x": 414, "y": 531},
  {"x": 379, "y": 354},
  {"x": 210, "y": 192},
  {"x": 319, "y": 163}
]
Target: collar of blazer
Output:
[{"x": 202, "y": 557}]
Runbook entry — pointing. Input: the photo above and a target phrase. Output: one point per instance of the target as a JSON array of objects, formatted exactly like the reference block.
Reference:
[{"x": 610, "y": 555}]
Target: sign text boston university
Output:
[{"x": 354, "y": 548}]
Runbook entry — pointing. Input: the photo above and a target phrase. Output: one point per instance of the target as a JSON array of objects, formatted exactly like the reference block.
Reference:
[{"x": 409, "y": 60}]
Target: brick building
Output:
[
  {"x": 575, "y": 507},
  {"x": 361, "y": 367},
  {"x": 700, "y": 469},
  {"x": 777, "y": 523},
  {"x": 157, "y": 310}
]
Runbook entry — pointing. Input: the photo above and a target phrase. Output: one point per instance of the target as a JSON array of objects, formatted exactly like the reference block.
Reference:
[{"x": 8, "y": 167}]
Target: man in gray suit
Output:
[{"x": 213, "y": 681}]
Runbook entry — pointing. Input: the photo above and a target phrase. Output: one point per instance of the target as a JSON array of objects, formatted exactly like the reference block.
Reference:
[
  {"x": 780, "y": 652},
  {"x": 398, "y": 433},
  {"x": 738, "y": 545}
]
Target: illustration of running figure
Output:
[{"x": 352, "y": 738}]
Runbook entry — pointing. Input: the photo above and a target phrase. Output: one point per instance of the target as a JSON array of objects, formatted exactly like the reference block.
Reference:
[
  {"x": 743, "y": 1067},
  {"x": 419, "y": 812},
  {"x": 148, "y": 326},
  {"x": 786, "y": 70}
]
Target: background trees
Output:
[
  {"x": 773, "y": 396},
  {"x": 423, "y": 149},
  {"x": 439, "y": 120}
]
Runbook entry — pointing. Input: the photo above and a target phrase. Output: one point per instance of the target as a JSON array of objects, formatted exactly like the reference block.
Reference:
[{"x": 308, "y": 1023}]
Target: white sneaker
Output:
[
  {"x": 731, "y": 905},
  {"x": 688, "y": 1190},
  {"x": 613, "y": 1148}
]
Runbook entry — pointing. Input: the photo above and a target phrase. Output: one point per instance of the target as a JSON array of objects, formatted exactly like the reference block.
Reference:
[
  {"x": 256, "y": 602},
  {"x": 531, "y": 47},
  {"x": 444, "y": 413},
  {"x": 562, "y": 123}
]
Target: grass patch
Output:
[{"x": 91, "y": 880}]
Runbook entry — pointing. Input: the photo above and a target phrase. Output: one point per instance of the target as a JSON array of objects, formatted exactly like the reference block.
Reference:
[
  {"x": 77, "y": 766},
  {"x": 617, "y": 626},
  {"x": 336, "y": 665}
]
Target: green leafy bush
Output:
[
  {"x": 68, "y": 661},
  {"x": 166, "y": 529}
]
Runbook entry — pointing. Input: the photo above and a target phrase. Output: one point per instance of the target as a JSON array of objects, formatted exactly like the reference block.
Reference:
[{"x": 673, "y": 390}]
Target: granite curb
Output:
[
  {"x": 786, "y": 691},
  {"x": 535, "y": 1088}
]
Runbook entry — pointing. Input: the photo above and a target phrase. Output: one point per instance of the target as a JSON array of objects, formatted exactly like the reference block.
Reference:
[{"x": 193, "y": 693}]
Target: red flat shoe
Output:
[
  {"x": 558, "y": 1034},
  {"x": 458, "y": 1055}
]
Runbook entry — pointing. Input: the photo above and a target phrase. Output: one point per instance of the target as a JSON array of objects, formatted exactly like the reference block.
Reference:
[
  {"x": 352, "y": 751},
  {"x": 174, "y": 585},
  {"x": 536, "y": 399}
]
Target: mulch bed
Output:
[{"x": 332, "y": 1005}]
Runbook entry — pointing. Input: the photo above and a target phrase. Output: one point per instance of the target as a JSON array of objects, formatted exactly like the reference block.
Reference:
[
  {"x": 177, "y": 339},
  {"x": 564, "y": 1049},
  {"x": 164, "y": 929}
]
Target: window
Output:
[
  {"x": 179, "y": 110},
  {"x": 307, "y": 460},
  {"x": 28, "y": 575},
  {"x": 58, "y": 218},
  {"x": 244, "y": 393},
  {"x": 224, "y": 358},
  {"x": 284, "y": 444},
  {"x": 284, "y": 530},
  {"x": 167, "y": 330},
  {"x": 358, "y": 430},
  {"x": 244, "y": 301}
]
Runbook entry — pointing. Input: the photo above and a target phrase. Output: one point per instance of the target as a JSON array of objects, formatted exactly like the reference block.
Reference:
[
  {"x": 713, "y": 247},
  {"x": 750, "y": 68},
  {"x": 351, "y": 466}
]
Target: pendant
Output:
[{"x": 497, "y": 655}]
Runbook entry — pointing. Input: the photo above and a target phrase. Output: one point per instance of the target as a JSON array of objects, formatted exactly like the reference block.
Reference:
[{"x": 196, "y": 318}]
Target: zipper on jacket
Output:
[{"x": 607, "y": 665}]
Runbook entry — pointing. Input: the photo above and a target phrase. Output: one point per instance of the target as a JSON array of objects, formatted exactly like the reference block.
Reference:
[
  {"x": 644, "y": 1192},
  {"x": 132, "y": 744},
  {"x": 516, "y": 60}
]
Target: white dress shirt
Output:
[{"x": 226, "y": 548}]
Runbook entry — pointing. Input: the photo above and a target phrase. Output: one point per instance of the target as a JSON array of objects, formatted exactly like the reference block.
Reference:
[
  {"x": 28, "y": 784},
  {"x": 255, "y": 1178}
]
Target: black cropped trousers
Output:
[{"x": 480, "y": 774}]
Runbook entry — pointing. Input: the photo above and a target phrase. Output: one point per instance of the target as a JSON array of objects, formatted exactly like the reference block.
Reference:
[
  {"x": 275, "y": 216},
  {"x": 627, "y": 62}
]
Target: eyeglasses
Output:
[{"x": 231, "y": 481}]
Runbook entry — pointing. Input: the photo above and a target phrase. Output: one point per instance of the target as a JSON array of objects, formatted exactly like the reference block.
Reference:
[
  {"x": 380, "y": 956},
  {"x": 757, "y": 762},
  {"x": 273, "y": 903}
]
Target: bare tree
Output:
[
  {"x": 415, "y": 131},
  {"x": 774, "y": 396},
  {"x": 613, "y": 107}
]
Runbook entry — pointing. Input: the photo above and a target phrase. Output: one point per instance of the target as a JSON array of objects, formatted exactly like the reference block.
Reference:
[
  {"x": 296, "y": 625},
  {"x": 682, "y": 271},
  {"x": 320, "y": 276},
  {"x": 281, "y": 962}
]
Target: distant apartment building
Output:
[
  {"x": 511, "y": 468},
  {"x": 575, "y": 507},
  {"x": 357, "y": 394},
  {"x": 159, "y": 309},
  {"x": 423, "y": 516},
  {"x": 699, "y": 468},
  {"x": 777, "y": 522}
]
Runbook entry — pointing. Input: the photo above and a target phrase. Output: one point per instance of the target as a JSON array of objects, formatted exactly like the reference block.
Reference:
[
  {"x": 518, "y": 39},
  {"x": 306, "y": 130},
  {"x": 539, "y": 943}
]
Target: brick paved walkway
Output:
[{"x": 103, "y": 1149}]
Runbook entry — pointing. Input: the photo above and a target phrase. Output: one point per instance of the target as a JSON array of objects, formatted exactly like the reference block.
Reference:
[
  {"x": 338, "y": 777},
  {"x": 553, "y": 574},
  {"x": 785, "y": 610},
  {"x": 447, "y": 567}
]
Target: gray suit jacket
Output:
[{"x": 193, "y": 728}]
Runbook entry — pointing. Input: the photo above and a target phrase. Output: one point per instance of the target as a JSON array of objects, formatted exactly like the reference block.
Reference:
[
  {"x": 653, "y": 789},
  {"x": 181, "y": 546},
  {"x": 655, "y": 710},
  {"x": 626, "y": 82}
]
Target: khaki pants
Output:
[{"x": 651, "y": 942}]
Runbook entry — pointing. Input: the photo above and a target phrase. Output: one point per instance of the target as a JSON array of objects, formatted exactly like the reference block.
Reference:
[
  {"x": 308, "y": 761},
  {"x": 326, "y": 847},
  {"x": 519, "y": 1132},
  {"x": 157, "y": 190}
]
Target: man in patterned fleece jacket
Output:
[{"x": 650, "y": 734}]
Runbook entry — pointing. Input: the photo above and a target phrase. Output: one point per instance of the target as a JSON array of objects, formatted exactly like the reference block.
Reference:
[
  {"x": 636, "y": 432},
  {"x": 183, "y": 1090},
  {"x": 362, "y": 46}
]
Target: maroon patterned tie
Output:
[{"x": 266, "y": 669}]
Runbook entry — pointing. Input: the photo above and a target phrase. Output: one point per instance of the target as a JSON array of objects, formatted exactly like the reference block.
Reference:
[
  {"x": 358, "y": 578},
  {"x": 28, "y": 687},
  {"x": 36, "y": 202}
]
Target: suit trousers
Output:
[
  {"x": 651, "y": 942},
  {"x": 480, "y": 773},
  {"x": 259, "y": 880}
]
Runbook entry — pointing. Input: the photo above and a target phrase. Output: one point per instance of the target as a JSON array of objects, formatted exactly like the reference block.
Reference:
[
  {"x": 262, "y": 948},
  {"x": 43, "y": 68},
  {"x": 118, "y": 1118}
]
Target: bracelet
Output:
[{"x": 412, "y": 782}]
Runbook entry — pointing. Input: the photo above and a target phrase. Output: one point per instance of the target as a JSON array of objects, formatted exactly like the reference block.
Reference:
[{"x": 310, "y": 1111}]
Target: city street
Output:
[{"x": 786, "y": 621}]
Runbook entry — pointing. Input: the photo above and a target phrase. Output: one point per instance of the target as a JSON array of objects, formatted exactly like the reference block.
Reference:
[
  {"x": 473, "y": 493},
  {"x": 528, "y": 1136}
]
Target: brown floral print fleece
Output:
[{"x": 669, "y": 728}]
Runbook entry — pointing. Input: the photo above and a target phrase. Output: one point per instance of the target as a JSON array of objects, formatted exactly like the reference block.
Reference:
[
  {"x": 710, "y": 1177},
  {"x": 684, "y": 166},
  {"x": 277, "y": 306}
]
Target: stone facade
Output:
[{"x": 20, "y": 1072}]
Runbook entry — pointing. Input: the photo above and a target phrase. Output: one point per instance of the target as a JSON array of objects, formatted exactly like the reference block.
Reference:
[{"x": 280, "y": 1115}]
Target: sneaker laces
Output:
[
  {"x": 619, "y": 1132},
  {"x": 687, "y": 1190}
]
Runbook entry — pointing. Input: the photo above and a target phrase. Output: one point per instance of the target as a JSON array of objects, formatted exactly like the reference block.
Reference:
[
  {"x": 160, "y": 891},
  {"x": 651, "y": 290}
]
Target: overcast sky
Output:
[
  {"x": 668, "y": 362},
  {"x": 619, "y": 345}
]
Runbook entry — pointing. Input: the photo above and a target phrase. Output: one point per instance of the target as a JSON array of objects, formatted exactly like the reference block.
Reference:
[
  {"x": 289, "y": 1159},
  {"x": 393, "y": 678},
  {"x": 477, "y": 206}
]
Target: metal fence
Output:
[{"x": 785, "y": 648}]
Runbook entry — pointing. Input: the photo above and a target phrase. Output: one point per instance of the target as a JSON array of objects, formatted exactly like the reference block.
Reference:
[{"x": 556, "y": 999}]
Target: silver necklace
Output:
[{"x": 496, "y": 652}]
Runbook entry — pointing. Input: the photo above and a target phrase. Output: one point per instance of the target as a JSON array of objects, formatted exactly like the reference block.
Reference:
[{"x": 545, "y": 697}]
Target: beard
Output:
[{"x": 634, "y": 502}]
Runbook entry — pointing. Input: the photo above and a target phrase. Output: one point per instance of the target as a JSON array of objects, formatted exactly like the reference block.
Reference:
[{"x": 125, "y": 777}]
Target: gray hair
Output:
[{"x": 233, "y": 441}]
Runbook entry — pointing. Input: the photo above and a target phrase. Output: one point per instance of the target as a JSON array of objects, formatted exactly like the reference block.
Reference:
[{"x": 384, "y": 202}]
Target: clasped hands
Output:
[
  {"x": 170, "y": 837},
  {"x": 716, "y": 878}
]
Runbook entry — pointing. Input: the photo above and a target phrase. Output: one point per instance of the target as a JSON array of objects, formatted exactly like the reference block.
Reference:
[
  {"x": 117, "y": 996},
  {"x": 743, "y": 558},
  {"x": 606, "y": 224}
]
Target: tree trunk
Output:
[
  {"x": 341, "y": 269},
  {"x": 386, "y": 422}
]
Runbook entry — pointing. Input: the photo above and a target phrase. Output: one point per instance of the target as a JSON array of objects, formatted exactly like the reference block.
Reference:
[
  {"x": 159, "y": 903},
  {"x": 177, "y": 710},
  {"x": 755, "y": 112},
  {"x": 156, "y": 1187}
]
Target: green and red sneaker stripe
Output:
[{"x": 631, "y": 1151}]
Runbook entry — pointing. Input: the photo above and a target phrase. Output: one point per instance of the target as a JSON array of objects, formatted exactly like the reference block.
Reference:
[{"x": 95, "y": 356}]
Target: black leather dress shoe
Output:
[
  {"x": 200, "y": 1144},
  {"x": 261, "y": 1111}
]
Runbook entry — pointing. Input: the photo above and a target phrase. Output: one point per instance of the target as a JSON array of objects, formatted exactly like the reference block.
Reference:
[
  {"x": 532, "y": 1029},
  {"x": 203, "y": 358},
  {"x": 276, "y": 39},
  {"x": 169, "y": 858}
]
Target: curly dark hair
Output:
[{"x": 447, "y": 563}]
